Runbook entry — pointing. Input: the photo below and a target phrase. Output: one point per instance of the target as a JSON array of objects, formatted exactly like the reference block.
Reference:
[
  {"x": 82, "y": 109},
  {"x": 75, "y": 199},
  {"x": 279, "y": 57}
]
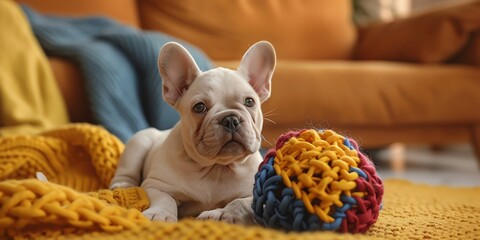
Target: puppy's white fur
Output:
[{"x": 205, "y": 165}]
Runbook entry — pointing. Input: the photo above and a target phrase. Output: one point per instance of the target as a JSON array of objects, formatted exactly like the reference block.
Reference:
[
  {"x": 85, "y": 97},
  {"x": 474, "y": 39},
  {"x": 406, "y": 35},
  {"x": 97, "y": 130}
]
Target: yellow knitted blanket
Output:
[{"x": 79, "y": 161}]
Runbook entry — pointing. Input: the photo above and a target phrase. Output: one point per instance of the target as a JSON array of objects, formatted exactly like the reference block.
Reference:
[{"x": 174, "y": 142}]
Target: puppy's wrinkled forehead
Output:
[{"x": 208, "y": 86}]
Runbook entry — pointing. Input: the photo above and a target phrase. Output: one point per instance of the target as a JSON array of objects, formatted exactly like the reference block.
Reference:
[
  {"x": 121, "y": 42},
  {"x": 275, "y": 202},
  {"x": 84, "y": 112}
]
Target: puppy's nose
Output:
[{"x": 231, "y": 123}]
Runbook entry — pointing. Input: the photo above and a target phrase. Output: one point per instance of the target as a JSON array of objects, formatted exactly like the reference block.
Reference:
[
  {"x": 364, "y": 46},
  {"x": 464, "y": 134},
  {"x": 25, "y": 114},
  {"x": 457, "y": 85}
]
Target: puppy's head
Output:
[{"x": 220, "y": 112}]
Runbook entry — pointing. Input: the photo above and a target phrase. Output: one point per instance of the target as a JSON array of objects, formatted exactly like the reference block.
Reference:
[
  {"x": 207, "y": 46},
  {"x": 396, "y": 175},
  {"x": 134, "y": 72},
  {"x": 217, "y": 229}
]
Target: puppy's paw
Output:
[
  {"x": 159, "y": 215},
  {"x": 121, "y": 185},
  {"x": 219, "y": 214}
]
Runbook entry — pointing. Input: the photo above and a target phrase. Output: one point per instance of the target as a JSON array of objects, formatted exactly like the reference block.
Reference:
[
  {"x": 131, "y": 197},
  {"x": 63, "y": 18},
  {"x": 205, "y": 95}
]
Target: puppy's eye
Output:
[
  {"x": 249, "y": 102},
  {"x": 199, "y": 108}
]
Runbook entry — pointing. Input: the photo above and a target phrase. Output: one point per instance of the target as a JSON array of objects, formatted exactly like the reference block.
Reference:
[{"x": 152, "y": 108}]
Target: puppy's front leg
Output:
[
  {"x": 237, "y": 211},
  {"x": 162, "y": 206},
  {"x": 129, "y": 170}
]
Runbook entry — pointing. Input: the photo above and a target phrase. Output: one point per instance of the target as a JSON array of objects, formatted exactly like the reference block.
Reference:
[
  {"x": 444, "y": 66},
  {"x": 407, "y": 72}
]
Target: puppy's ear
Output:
[
  {"x": 177, "y": 69},
  {"x": 257, "y": 66}
]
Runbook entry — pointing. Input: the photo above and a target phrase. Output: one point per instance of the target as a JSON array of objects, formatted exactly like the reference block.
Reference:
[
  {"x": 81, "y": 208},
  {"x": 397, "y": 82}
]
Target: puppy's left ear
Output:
[
  {"x": 257, "y": 66},
  {"x": 177, "y": 69}
]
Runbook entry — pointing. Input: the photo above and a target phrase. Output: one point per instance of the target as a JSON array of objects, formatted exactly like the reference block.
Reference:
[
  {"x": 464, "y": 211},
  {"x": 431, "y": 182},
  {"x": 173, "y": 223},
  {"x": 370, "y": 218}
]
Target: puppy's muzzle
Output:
[{"x": 231, "y": 123}]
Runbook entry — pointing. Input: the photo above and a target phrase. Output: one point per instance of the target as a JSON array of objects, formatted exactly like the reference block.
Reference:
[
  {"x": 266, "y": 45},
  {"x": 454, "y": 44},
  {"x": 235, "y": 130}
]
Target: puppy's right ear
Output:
[{"x": 177, "y": 69}]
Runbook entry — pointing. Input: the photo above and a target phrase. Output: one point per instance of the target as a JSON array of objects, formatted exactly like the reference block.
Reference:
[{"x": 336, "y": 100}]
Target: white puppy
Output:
[{"x": 205, "y": 165}]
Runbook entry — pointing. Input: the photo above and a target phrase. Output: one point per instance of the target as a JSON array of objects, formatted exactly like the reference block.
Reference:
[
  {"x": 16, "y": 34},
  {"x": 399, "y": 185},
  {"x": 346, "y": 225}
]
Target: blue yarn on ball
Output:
[{"x": 291, "y": 213}]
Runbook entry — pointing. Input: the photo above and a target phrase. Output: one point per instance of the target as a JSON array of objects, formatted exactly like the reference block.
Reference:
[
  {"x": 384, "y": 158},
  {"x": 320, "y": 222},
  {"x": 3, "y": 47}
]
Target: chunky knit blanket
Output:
[
  {"x": 119, "y": 66},
  {"x": 79, "y": 161}
]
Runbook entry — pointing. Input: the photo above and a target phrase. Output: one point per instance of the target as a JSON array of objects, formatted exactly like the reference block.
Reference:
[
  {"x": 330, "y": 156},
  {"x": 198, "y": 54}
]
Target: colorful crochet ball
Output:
[{"x": 317, "y": 180}]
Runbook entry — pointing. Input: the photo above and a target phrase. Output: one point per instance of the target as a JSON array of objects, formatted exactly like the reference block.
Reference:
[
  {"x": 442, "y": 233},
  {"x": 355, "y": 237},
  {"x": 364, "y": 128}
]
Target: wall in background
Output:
[{"x": 423, "y": 5}]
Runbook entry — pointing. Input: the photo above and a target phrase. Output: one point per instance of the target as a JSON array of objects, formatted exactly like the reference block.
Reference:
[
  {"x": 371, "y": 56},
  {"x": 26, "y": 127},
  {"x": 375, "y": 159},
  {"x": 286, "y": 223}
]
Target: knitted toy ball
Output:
[{"x": 317, "y": 180}]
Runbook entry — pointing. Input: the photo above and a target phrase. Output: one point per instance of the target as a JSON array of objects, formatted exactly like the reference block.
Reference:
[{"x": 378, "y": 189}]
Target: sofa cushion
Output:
[
  {"x": 308, "y": 29},
  {"x": 124, "y": 11},
  {"x": 429, "y": 37},
  {"x": 470, "y": 54},
  {"x": 369, "y": 93}
]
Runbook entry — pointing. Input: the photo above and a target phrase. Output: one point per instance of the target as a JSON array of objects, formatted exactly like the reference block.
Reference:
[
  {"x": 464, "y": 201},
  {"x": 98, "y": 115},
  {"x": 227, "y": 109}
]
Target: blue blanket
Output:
[{"x": 119, "y": 66}]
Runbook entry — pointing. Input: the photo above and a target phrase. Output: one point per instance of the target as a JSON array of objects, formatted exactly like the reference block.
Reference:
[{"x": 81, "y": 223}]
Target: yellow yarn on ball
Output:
[{"x": 320, "y": 163}]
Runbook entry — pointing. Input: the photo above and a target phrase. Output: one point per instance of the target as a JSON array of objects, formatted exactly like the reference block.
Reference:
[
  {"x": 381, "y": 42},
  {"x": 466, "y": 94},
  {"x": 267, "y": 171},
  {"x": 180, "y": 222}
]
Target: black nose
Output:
[{"x": 231, "y": 123}]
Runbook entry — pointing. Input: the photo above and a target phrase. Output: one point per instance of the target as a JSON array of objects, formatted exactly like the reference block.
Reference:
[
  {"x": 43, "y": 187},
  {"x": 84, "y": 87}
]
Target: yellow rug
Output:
[{"x": 82, "y": 158}]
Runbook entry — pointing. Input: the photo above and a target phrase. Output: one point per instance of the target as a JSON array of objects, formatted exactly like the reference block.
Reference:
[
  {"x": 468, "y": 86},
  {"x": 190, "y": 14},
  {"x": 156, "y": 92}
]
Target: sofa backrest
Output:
[
  {"x": 224, "y": 29},
  {"x": 124, "y": 11}
]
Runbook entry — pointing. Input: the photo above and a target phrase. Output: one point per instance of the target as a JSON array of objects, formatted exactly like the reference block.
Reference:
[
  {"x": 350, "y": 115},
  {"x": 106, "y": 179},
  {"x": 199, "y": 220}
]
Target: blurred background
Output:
[
  {"x": 401, "y": 77},
  {"x": 454, "y": 164}
]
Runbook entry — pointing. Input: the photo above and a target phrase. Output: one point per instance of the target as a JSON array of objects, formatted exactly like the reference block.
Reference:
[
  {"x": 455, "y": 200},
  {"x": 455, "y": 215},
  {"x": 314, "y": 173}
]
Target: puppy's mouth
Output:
[
  {"x": 233, "y": 144},
  {"x": 233, "y": 149},
  {"x": 233, "y": 141}
]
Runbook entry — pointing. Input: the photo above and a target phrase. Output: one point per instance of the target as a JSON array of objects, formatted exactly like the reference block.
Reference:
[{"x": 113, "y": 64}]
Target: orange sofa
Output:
[{"x": 414, "y": 80}]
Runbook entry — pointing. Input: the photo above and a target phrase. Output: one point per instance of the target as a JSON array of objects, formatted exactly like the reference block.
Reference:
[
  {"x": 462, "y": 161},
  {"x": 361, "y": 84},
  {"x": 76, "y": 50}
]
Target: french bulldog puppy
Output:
[{"x": 205, "y": 165}]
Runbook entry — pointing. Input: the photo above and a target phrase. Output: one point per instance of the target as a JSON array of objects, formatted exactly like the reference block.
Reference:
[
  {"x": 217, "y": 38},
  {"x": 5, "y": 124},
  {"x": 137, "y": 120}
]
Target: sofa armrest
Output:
[
  {"x": 70, "y": 82},
  {"x": 430, "y": 37}
]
